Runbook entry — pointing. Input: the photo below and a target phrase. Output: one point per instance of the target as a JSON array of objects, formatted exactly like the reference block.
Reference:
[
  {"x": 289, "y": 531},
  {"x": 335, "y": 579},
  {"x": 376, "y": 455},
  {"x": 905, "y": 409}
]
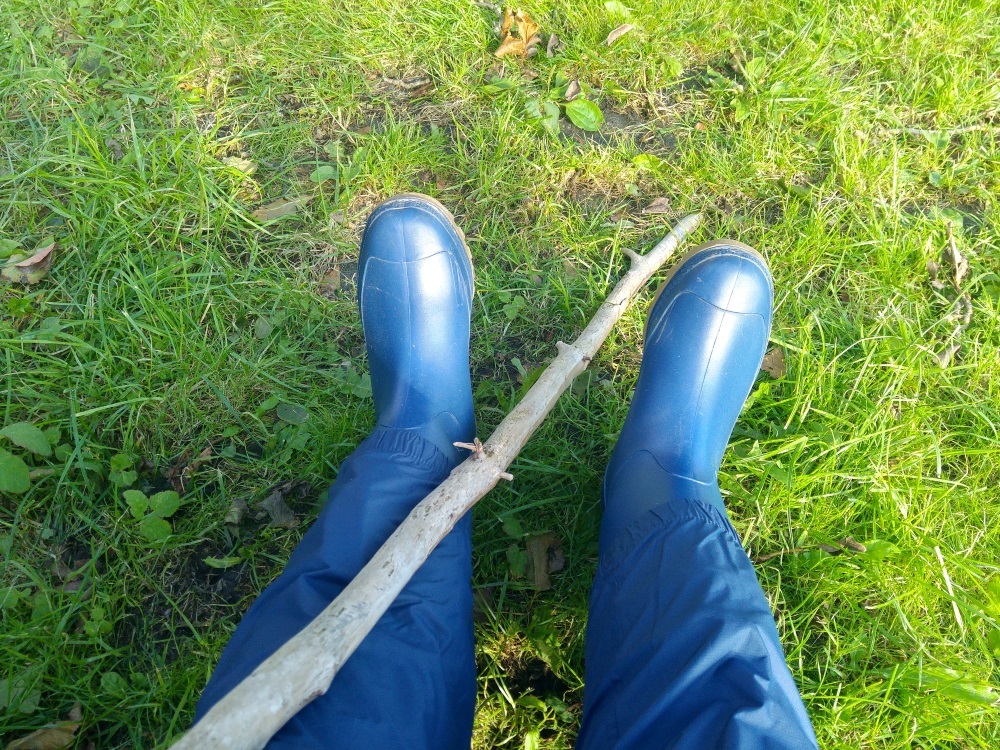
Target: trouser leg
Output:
[
  {"x": 682, "y": 649},
  {"x": 411, "y": 682}
]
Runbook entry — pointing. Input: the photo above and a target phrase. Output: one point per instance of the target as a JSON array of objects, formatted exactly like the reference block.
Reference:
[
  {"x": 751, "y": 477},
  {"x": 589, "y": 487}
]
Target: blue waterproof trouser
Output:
[{"x": 682, "y": 650}]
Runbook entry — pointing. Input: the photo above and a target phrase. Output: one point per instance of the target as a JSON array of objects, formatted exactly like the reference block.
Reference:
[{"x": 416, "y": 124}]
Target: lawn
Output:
[{"x": 181, "y": 342}]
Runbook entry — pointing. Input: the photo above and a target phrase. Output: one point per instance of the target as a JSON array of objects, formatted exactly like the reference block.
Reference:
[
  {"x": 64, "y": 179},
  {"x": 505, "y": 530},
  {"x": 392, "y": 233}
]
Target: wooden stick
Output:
[{"x": 303, "y": 668}]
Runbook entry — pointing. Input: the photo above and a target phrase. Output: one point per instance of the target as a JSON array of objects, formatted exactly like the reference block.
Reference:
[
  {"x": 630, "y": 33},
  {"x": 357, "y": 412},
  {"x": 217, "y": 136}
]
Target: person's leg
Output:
[
  {"x": 682, "y": 649},
  {"x": 411, "y": 682}
]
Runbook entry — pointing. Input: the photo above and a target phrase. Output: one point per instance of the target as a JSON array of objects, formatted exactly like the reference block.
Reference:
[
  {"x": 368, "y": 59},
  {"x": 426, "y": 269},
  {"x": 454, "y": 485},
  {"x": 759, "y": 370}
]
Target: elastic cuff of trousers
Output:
[
  {"x": 660, "y": 518},
  {"x": 408, "y": 447}
]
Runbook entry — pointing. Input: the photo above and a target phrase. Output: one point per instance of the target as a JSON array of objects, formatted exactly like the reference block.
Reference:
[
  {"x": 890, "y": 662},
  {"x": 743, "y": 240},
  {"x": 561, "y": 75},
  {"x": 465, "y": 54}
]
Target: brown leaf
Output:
[
  {"x": 545, "y": 556},
  {"x": 71, "y": 587},
  {"x": 74, "y": 579},
  {"x": 847, "y": 544},
  {"x": 532, "y": 45},
  {"x": 201, "y": 458},
  {"x": 54, "y": 737},
  {"x": 619, "y": 32},
  {"x": 700, "y": 127},
  {"x": 963, "y": 311},
  {"x": 511, "y": 45},
  {"x": 339, "y": 281},
  {"x": 24, "y": 270},
  {"x": 237, "y": 511},
  {"x": 60, "y": 570},
  {"x": 409, "y": 87},
  {"x": 851, "y": 544},
  {"x": 329, "y": 285},
  {"x": 245, "y": 166},
  {"x": 115, "y": 148},
  {"x": 553, "y": 46},
  {"x": 274, "y": 505},
  {"x": 179, "y": 474},
  {"x": 281, "y": 207},
  {"x": 518, "y": 34},
  {"x": 337, "y": 219},
  {"x": 945, "y": 356},
  {"x": 573, "y": 90},
  {"x": 659, "y": 206},
  {"x": 570, "y": 269},
  {"x": 774, "y": 362},
  {"x": 953, "y": 257}
]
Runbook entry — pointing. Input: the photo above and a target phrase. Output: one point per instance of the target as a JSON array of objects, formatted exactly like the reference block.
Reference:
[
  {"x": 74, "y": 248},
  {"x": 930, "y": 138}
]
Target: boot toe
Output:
[
  {"x": 727, "y": 275},
  {"x": 412, "y": 227}
]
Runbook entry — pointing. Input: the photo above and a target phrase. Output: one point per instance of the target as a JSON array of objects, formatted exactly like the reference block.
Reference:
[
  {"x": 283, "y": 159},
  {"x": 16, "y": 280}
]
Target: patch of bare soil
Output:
[{"x": 189, "y": 591}]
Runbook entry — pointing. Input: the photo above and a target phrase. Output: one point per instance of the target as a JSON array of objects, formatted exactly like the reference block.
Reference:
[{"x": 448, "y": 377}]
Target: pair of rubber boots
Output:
[{"x": 706, "y": 333}]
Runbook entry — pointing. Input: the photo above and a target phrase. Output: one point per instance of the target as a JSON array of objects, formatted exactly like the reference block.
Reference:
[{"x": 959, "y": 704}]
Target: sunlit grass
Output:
[{"x": 841, "y": 139}]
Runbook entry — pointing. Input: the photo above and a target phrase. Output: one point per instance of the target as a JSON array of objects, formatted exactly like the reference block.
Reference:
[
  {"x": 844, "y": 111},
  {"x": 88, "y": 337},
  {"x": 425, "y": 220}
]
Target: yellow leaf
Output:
[
  {"x": 31, "y": 270},
  {"x": 518, "y": 34},
  {"x": 55, "y": 737},
  {"x": 282, "y": 207}
]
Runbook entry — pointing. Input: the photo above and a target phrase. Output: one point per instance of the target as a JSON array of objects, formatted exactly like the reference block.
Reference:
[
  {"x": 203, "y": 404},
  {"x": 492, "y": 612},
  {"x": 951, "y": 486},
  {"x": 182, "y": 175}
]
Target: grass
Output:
[{"x": 172, "y": 320}]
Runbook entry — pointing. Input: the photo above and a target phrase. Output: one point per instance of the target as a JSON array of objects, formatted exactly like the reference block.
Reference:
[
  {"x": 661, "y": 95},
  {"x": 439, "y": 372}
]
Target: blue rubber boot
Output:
[
  {"x": 706, "y": 334},
  {"x": 682, "y": 650},
  {"x": 415, "y": 286},
  {"x": 411, "y": 683}
]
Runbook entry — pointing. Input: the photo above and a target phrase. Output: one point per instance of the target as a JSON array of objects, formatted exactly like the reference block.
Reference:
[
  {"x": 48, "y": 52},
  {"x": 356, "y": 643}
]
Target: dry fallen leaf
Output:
[
  {"x": 953, "y": 257},
  {"x": 957, "y": 266},
  {"x": 850, "y": 543},
  {"x": 274, "y": 504},
  {"x": 933, "y": 270},
  {"x": 545, "y": 556},
  {"x": 281, "y": 207},
  {"x": 55, "y": 737},
  {"x": 337, "y": 219},
  {"x": 573, "y": 90},
  {"x": 619, "y": 32},
  {"x": 237, "y": 511},
  {"x": 774, "y": 362},
  {"x": 553, "y": 46},
  {"x": 329, "y": 285},
  {"x": 847, "y": 544},
  {"x": 518, "y": 35},
  {"x": 201, "y": 458},
  {"x": 24, "y": 270},
  {"x": 73, "y": 578},
  {"x": 409, "y": 87},
  {"x": 963, "y": 310},
  {"x": 180, "y": 473},
  {"x": 659, "y": 206},
  {"x": 339, "y": 281},
  {"x": 115, "y": 148},
  {"x": 946, "y": 355},
  {"x": 245, "y": 166}
]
